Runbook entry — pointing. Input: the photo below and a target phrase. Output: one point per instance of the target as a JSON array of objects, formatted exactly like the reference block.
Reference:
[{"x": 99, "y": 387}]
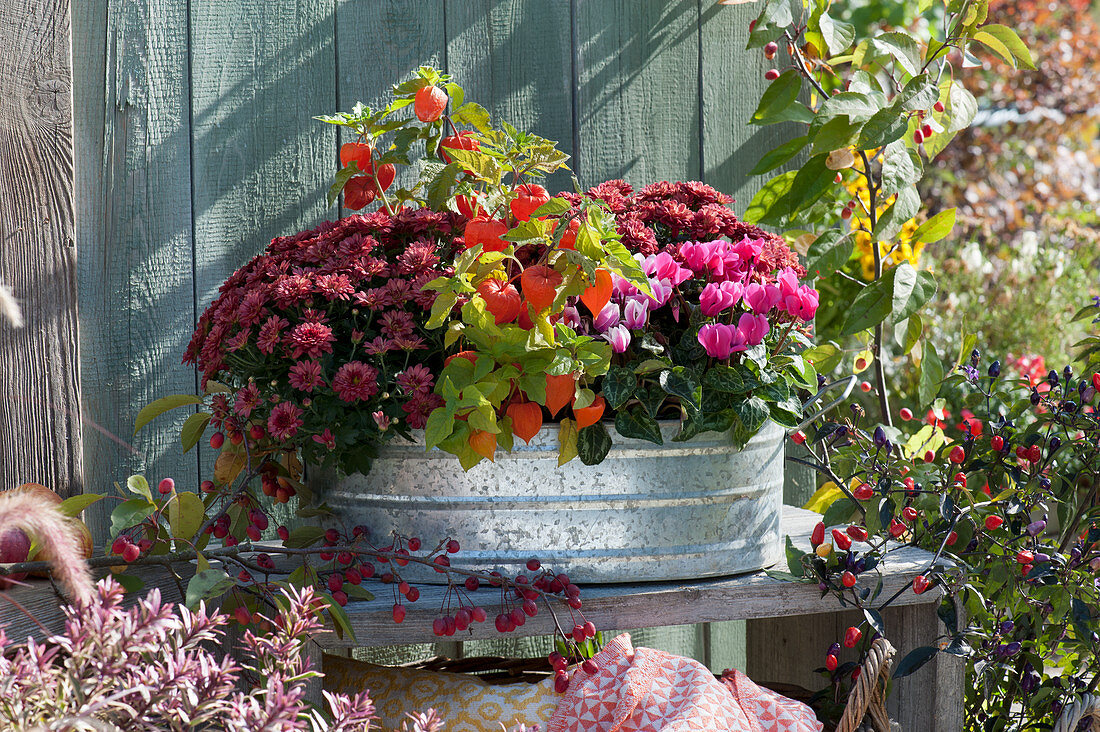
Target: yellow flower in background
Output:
[{"x": 904, "y": 248}]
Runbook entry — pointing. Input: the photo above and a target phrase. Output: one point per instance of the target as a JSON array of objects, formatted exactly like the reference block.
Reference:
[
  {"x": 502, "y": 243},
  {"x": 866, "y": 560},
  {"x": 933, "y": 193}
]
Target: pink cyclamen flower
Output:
[
  {"x": 284, "y": 421},
  {"x": 719, "y": 296},
  {"x": 619, "y": 337},
  {"x": 718, "y": 339},
  {"x": 748, "y": 249},
  {"x": 787, "y": 281},
  {"x": 326, "y": 438},
  {"x": 803, "y": 303},
  {"x": 761, "y": 298},
  {"x": 571, "y": 317},
  {"x": 355, "y": 381},
  {"x": 663, "y": 267},
  {"x": 753, "y": 328},
  {"x": 662, "y": 291},
  {"x": 636, "y": 313},
  {"x": 306, "y": 375},
  {"x": 608, "y": 318}
]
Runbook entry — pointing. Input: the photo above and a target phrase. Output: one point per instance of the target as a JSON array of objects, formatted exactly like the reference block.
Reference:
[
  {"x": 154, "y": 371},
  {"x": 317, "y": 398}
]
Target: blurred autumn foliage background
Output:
[{"x": 1024, "y": 256}]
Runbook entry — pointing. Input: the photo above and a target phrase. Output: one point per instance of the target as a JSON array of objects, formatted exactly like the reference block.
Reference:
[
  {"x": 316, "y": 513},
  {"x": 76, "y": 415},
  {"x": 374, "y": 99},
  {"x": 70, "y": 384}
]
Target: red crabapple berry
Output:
[
  {"x": 472, "y": 583},
  {"x": 478, "y": 614},
  {"x": 561, "y": 681},
  {"x": 412, "y": 595},
  {"x": 590, "y": 667},
  {"x": 918, "y": 137},
  {"x": 398, "y": 613},
  {"x": 452, "y": 546},
  {"x": 340, "y": 597},
  {"x": 283, "y": 532},
  {"x": 166, "y": 486},
  {"x": 906, "y": 414},
  {"x": 958, "y": 454},
  {"x": 771, "y": 74},
  {"x": 217, "y": 440},
  {"x": 130, "y": 553},
  {"x": 926, "y": 130},
  {"x": 414, "y": 544},
  {"x": 770, "y": 50},
  {"x": 938, "y": 106}
]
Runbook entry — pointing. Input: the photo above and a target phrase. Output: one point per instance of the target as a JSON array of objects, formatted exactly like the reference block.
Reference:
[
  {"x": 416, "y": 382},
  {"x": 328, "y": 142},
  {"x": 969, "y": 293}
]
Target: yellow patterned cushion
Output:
[{"x": 465, "y": 703}]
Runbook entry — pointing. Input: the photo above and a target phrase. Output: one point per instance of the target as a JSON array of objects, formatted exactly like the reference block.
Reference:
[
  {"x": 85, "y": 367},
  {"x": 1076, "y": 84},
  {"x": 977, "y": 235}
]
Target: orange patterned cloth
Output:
[{"x": 645, "y": 690}]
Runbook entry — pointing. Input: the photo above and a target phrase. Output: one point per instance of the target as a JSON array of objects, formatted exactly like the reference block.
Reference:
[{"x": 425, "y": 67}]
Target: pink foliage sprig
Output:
[{"x": 38, "y": 518}]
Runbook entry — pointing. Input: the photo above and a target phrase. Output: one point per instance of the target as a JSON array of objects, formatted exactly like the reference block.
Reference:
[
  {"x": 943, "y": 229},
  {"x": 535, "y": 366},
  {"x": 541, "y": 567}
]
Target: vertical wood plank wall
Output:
[
  {"x": 195, "y": 145},
  {"x": 40, "y": 430}
]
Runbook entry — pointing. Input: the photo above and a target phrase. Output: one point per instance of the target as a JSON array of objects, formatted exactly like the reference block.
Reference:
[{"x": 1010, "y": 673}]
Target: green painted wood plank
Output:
[
  {"x": 638, "y": 90},
  {"x": 515, "y": 58},
  {"x": 131, "y": 101},
  {"x": 261, "y": 164},
  {"x": 380, "y": 43},
  {"x": 732, "y": 82}
]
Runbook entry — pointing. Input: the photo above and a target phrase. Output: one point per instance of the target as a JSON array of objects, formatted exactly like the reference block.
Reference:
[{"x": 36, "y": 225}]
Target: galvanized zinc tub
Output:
[{"x": 681, "y": 510}]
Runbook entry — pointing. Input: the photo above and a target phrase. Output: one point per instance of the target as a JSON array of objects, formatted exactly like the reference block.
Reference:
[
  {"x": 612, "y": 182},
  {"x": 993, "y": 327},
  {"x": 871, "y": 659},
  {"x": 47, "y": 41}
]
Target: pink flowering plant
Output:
[{"x": 714, "y": 343}]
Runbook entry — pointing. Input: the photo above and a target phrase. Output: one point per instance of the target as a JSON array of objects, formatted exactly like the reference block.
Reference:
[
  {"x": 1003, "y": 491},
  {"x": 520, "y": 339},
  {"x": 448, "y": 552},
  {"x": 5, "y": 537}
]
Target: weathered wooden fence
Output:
[{"x": 195, "y": 145}]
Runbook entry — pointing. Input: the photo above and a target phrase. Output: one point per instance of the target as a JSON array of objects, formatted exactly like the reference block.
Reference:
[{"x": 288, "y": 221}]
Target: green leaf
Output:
[
  {"x": 140, "y": 487},
  {"x": 908, "y": 336},
  {"x": 870, "y": 307},
  {"x": 207, "y": 584},
  {"x": 902, "y": 48},
  {"x": 825, "y": 357},
  {"x": 593, "y": 443},
  {"x": 811, "y": 182},
  {"x": 770, "y": 205},
  {"x": 682, "y": 383},
  {"x": 439, "y": 188},
  {"x": 556, "y": 206},
  {"x": 1010, "y": 42},
  {"x": 994, "y": 44},
  {"x": 839, "y": 511},
  {"x": 837, "y": 34},
  {"x": 914, "y": 660},
  {"x": 340, "y": 619},
  {"x": 726, "y": 379},
  {"x": 919, "y": 94},
  {"x": 901, "y": 167},
  {"x": 905, "y": 207},
  {"x": 618, "y": 387},
  {"x": 858, "y": 107},
  {"x": 1082, "y": 619},
  {"x": 935, "y": 228},
  {"x": 73, "y": 505},
  {"x": 837, "y": 133},
  {"x": 961, "y": 106},
  {"x": 931, "y": 374},
  {"x": 779, "y": 95},
  {"x": 304, "y": 536},
  {"x": 339, "y": 181},
  {"x": 186, "y": 515},
  {"x": 474, "y": 115},
  {"x": 794, "y": 559},
  {"x": 162, "y": 405},
  {"x": 912, "y": 289},
  {"x": 752, "y": 413},
  {"x": 828, "y": 253},
  {"x": 774, "y": 158},
  {"x": 884, "y": 126},
  {"x": 567, "y": 441},
  {"x": 635, "y": 422},
  {"x": 130, "y": 583},
  {"x": 193, "y": 429}
]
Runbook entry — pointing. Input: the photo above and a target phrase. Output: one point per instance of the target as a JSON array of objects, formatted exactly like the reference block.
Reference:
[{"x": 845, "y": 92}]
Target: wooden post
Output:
[{"x": 40, "y": 438}]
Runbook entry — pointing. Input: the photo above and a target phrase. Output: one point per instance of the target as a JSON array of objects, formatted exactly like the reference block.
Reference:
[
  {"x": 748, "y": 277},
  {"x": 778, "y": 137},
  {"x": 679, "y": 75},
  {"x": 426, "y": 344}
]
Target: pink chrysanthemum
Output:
[
  {"x": 271, "y": 332},
  {"x": 415, "y": 379},
  {"x": 284, "y": 421},
  {"x": 397, "y": 323},
  {"x": 306, "y": 375},
  {"x": 355, "y": 381},
  {"x": 246, "y": 400},
  {"x": 311, "y": 339},
  {"x": 418, "y": 408}
]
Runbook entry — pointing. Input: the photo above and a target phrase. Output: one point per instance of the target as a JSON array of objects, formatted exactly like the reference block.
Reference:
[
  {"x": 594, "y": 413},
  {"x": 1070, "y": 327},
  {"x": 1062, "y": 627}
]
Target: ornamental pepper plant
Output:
[{"x": 1008, "y": 510}]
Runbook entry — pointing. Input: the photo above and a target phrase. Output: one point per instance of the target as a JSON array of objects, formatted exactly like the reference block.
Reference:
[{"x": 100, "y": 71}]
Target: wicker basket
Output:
[
  {"x": 1087, "y": 706},
  {"x": 864, "y": 712}
]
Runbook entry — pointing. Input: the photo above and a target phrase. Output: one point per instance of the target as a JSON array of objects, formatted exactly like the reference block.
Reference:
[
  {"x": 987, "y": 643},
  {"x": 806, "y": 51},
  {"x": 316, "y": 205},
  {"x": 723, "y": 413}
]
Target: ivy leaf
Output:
[
  {"x": 634, "y": 422},
  {"x": 779, "y": 95},
  {"x": 829, "y": 252},
  {"x": 593, "y": 443}
]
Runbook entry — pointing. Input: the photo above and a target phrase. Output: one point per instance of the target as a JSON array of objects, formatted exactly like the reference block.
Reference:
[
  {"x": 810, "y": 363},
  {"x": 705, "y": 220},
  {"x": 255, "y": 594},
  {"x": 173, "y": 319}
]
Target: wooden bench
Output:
[{"x": 789, "y": 625}]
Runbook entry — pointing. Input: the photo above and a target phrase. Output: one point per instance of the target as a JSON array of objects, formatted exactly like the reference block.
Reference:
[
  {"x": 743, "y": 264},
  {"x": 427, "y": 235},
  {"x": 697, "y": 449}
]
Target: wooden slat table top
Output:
[{"x": 640, "y": 605}]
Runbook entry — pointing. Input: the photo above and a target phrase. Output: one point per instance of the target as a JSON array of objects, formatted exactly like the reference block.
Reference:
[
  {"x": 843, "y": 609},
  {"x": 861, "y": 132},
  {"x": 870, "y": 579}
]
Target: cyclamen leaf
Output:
[
  {"x": 618, "y": 386},
  {"x": 593, "y": 444},
  {"x": 634, "y": 422},
  {"x": 682, "y": 383}
]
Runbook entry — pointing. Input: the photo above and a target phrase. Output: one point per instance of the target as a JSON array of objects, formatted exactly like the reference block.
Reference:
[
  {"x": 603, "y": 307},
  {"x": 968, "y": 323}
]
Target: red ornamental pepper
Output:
[
  {"x": 1096, "y": 381},
  {"x": 864, "y": 492},
  {"x": 842, "y": 540},
  {"x": 992, "y": 523},
  {"x": 818, "y": 535},
  {"x": 1034, "y": 454},
  {"x": 958, "y": 454},
  {"x": 997, "y": 442},
  {"x": 1025, "y": 557},
  {"x": 830, "y": 662},
  {"x": 848, "y": 579},
  {"x": 857, "y": 532},
  {"x": 897, "y": 528},
  {"x": 909, "y": 514},
  {"x": 852, "y": 636}
]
